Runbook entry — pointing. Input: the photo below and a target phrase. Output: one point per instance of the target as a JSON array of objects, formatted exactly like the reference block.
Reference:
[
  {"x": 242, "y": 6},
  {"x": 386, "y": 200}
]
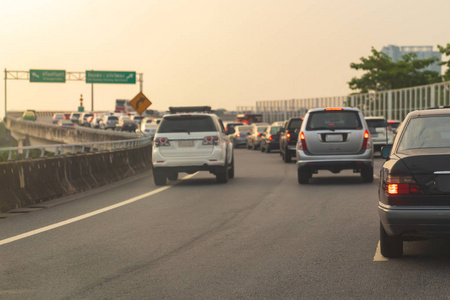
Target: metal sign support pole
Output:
[
  {"x": 6, "y": 75},
  {"x": 92, "y": 97}
]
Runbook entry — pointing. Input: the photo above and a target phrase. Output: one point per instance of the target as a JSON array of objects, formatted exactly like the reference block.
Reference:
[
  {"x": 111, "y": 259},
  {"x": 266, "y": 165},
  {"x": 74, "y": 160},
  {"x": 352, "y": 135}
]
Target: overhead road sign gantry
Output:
[
  {"x": 58, "y": 76},
  {"x": 110, "y": 77}
]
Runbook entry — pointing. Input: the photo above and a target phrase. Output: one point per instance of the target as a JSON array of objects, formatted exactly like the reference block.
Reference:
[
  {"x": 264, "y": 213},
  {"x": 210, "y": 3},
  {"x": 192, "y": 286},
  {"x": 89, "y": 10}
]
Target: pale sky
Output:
[{"x": 203, "y": 52}]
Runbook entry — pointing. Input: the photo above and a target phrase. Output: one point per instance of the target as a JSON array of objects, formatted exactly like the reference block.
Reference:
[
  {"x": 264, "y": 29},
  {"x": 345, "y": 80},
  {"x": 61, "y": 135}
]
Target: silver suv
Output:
[{"x": 334, "y": 139}]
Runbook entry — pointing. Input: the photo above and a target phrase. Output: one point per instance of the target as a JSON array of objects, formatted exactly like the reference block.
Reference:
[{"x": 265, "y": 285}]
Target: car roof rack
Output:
[{"x": 190, "y": 109}]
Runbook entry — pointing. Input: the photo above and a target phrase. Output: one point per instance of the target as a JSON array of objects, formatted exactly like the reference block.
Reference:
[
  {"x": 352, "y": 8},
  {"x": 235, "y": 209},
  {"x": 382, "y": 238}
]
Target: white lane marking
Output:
[
  {"x": 88, "y": 215},
  {"x": 378, "y": 256}
]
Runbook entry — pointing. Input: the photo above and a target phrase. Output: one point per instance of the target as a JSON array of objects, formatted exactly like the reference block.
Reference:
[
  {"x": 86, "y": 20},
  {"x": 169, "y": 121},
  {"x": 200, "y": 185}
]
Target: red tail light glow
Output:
[
  {"x": 402, "y": 186},
  {"x": 333, "y": 108},
  {"x": 303, "y": 141},
  {"x": 238, "y": 135},
  {"x": 210, "y": 140},
  {"x": 365, "y": 144},
  {"x": 161, "y": 142},
  {"x": 288, "y": 137}
]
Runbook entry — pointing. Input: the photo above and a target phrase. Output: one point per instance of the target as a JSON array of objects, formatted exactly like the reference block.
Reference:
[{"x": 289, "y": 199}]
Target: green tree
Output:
[
  {"x": 384, "y": 74},
  {"x": 445, "y": 51}
]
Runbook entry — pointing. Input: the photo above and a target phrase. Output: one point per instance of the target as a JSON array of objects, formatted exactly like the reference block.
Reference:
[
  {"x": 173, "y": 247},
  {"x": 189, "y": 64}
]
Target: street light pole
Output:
[{"x": 6, "y": 75}]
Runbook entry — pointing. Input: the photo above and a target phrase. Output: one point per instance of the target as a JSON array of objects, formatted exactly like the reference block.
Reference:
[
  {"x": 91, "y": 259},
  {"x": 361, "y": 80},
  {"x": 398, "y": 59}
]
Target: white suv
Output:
[{"x": 189, "y": 141}]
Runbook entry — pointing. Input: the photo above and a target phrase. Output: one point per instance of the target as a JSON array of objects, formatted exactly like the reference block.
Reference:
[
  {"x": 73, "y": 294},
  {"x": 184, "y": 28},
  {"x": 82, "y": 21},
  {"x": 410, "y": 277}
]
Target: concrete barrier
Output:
[{"x": 28, "y": 182}]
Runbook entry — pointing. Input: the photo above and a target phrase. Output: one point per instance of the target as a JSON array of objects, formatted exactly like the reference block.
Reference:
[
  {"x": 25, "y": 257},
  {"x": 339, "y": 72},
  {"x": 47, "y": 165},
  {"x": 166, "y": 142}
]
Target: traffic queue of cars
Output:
[{"x": 414, "y": 185}]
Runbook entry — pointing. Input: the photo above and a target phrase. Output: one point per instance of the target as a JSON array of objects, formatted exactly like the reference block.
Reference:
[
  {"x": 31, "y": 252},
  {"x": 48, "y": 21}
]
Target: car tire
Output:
[
  {"x": 390, "y": 246},
  {"x": 303, "y": 175},
  {"x": 286, "y": 157},
  {"x": 262, "y": 148},
  {"x": 247, "y": 146},
  {"x": 159, "y": 177},
  {"x": 231, "y": 170},
  {"x": 254, "y": 147},
  {"x": 172, "y": 176},
  {"x": 267, "y": 149},
  {"x": 222, "y": 176},
  {"x": 367, "y": 174}
]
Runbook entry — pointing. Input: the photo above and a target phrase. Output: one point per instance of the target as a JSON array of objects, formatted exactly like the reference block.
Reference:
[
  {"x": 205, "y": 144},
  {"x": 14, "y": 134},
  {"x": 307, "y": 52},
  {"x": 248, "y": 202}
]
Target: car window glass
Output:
[
  {"x": 275, "y": 129},
  {"x": 295, "y": 124},
  {"x": 245, "y": 128},
  {"x": 326, "y": 120},
  {"x": 430, "y": 132},
  {"x": 261, "y": 129},
  {"x": 376, "y": 123},
  {"x": 187, "y": 123}
]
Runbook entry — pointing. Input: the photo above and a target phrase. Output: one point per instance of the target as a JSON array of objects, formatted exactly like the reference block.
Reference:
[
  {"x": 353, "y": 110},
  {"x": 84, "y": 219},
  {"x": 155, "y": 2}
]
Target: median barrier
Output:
[{"x": 32, "y": 181}]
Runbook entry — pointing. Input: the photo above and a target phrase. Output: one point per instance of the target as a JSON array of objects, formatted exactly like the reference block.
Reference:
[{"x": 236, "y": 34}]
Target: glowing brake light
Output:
[
  {"x": 402, "y": 186},
  {"x": 302, "y": 145},
  {"x": 333, "y": 108},
  {"x": 365, "y": 144},
  {"x": 288, "y": 137},
  {"x": 238, "y": 135}
]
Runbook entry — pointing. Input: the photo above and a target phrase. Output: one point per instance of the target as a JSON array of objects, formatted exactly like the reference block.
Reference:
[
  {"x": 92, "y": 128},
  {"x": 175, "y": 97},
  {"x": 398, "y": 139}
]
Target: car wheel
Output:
[
  {"x": 159, "y": 177},
  {"x": 286, "y": 156},
  {"x": 267, "y": 149},
  {"x": 261, "y": 148},
  {"x": 231, "y": 170},
  {"x": 303, "y": 175},
  {"x": 390, "y": 246},
  {"x": 253, "y": 146},
  {"x": 222, "y": 175},
  {"x": 367, "y": 174},
  {"x": 172, "y": 176}
]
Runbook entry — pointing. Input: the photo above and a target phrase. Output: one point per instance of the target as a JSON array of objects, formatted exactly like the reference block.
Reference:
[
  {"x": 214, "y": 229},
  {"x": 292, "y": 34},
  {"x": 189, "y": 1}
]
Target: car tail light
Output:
[
  {"x": 366, "y": 144},
  {"x": 211, "y": 140},
  {"x": 288, "y": 137},
  {"x": 238, "y": 135},
  {"x": 161, "y": 142},
  {"x": 333, "y": 108},
  {"x": 302, "y": 142},
  {"x": 270, "y": 138},
  {"x": 259, "y": 134},
  {"x": 396, "y": 185}
]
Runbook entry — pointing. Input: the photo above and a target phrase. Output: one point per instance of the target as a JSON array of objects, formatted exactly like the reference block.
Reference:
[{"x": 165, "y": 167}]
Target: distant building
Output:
[{"x": 396, "y": 52}]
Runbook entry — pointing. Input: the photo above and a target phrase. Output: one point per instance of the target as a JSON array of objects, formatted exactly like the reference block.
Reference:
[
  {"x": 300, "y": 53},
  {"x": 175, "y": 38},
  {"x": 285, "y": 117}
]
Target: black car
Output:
[
  {"x": 126, "y": 124},
  {"x": 270, "y": 140},
  {"x": 414, "y": 190},
  {"x": 288, "y": 138}
]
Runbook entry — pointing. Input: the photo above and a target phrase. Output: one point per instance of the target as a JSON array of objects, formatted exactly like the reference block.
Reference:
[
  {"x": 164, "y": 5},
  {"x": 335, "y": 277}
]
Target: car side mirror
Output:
[{"x": 386, "y": 152}]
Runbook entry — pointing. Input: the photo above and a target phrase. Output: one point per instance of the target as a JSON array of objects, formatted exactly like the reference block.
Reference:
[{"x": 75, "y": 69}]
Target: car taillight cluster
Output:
[
  {"x": 161, "y": 142},
  {"x": 396, "y": 185},
  {"x": 238, "y": 135},
  {"x": 302, "y": 145},
  {"x": 288, "y": 137},
  {"x": 211, "y": 140},
  {"x": 366, "y": 144},
  {"x": 259, "y": 134}
]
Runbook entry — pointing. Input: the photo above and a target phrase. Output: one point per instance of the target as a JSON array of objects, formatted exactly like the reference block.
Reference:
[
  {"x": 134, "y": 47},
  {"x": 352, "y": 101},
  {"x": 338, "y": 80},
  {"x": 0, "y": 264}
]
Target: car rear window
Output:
[
  {"x": 275, "y": 129},
  {"x": 429, "y": 132},
  {"x": 376, "y": 123},
  {"x": 326, "y": 120},
  {"x": 244, "y": 128},
  {"x": 261, "y": 129},
  {"x": 295, "y": 124},
  {"x": 187, "y": 124},
  {"x": 112, "y": 118}
]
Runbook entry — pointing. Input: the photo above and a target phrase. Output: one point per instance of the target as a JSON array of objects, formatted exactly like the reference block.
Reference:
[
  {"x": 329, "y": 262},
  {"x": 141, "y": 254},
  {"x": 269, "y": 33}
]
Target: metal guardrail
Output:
[{"x": 92, "y": 146}]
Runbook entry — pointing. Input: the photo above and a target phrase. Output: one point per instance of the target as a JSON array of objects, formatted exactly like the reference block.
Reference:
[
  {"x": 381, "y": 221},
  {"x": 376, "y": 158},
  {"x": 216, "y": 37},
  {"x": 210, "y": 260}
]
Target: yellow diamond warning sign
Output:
[{"x": 140, "y": 103}]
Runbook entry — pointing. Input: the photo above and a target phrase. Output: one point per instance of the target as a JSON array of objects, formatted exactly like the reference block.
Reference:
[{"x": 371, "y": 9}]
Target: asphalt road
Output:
[{"x": 261, "y": 236}]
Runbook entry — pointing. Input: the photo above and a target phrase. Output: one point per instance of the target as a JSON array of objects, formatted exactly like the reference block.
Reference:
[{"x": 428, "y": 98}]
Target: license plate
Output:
[
  {"x": 334, "y": 138},
  {"x": 185, "y": 143}
]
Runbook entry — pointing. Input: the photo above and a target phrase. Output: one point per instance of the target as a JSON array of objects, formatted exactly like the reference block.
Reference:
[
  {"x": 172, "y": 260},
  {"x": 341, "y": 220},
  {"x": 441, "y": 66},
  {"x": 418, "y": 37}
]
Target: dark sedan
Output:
[
  {"x": 270, "y": 140},
  {"x": 414, "y": 190}
]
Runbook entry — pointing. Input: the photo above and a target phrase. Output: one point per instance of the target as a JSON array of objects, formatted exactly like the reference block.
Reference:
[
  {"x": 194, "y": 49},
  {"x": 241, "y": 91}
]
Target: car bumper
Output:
[
  {"x": 189, "y": 164},
  {"x": 353, "y": 161},
  {"x": 415, "y": 221}
]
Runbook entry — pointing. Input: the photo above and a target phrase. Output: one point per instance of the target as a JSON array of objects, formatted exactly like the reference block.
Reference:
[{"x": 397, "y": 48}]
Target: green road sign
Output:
[
  {"x": 48, "y": 76},
  {"x": 110, "y": 77}
]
